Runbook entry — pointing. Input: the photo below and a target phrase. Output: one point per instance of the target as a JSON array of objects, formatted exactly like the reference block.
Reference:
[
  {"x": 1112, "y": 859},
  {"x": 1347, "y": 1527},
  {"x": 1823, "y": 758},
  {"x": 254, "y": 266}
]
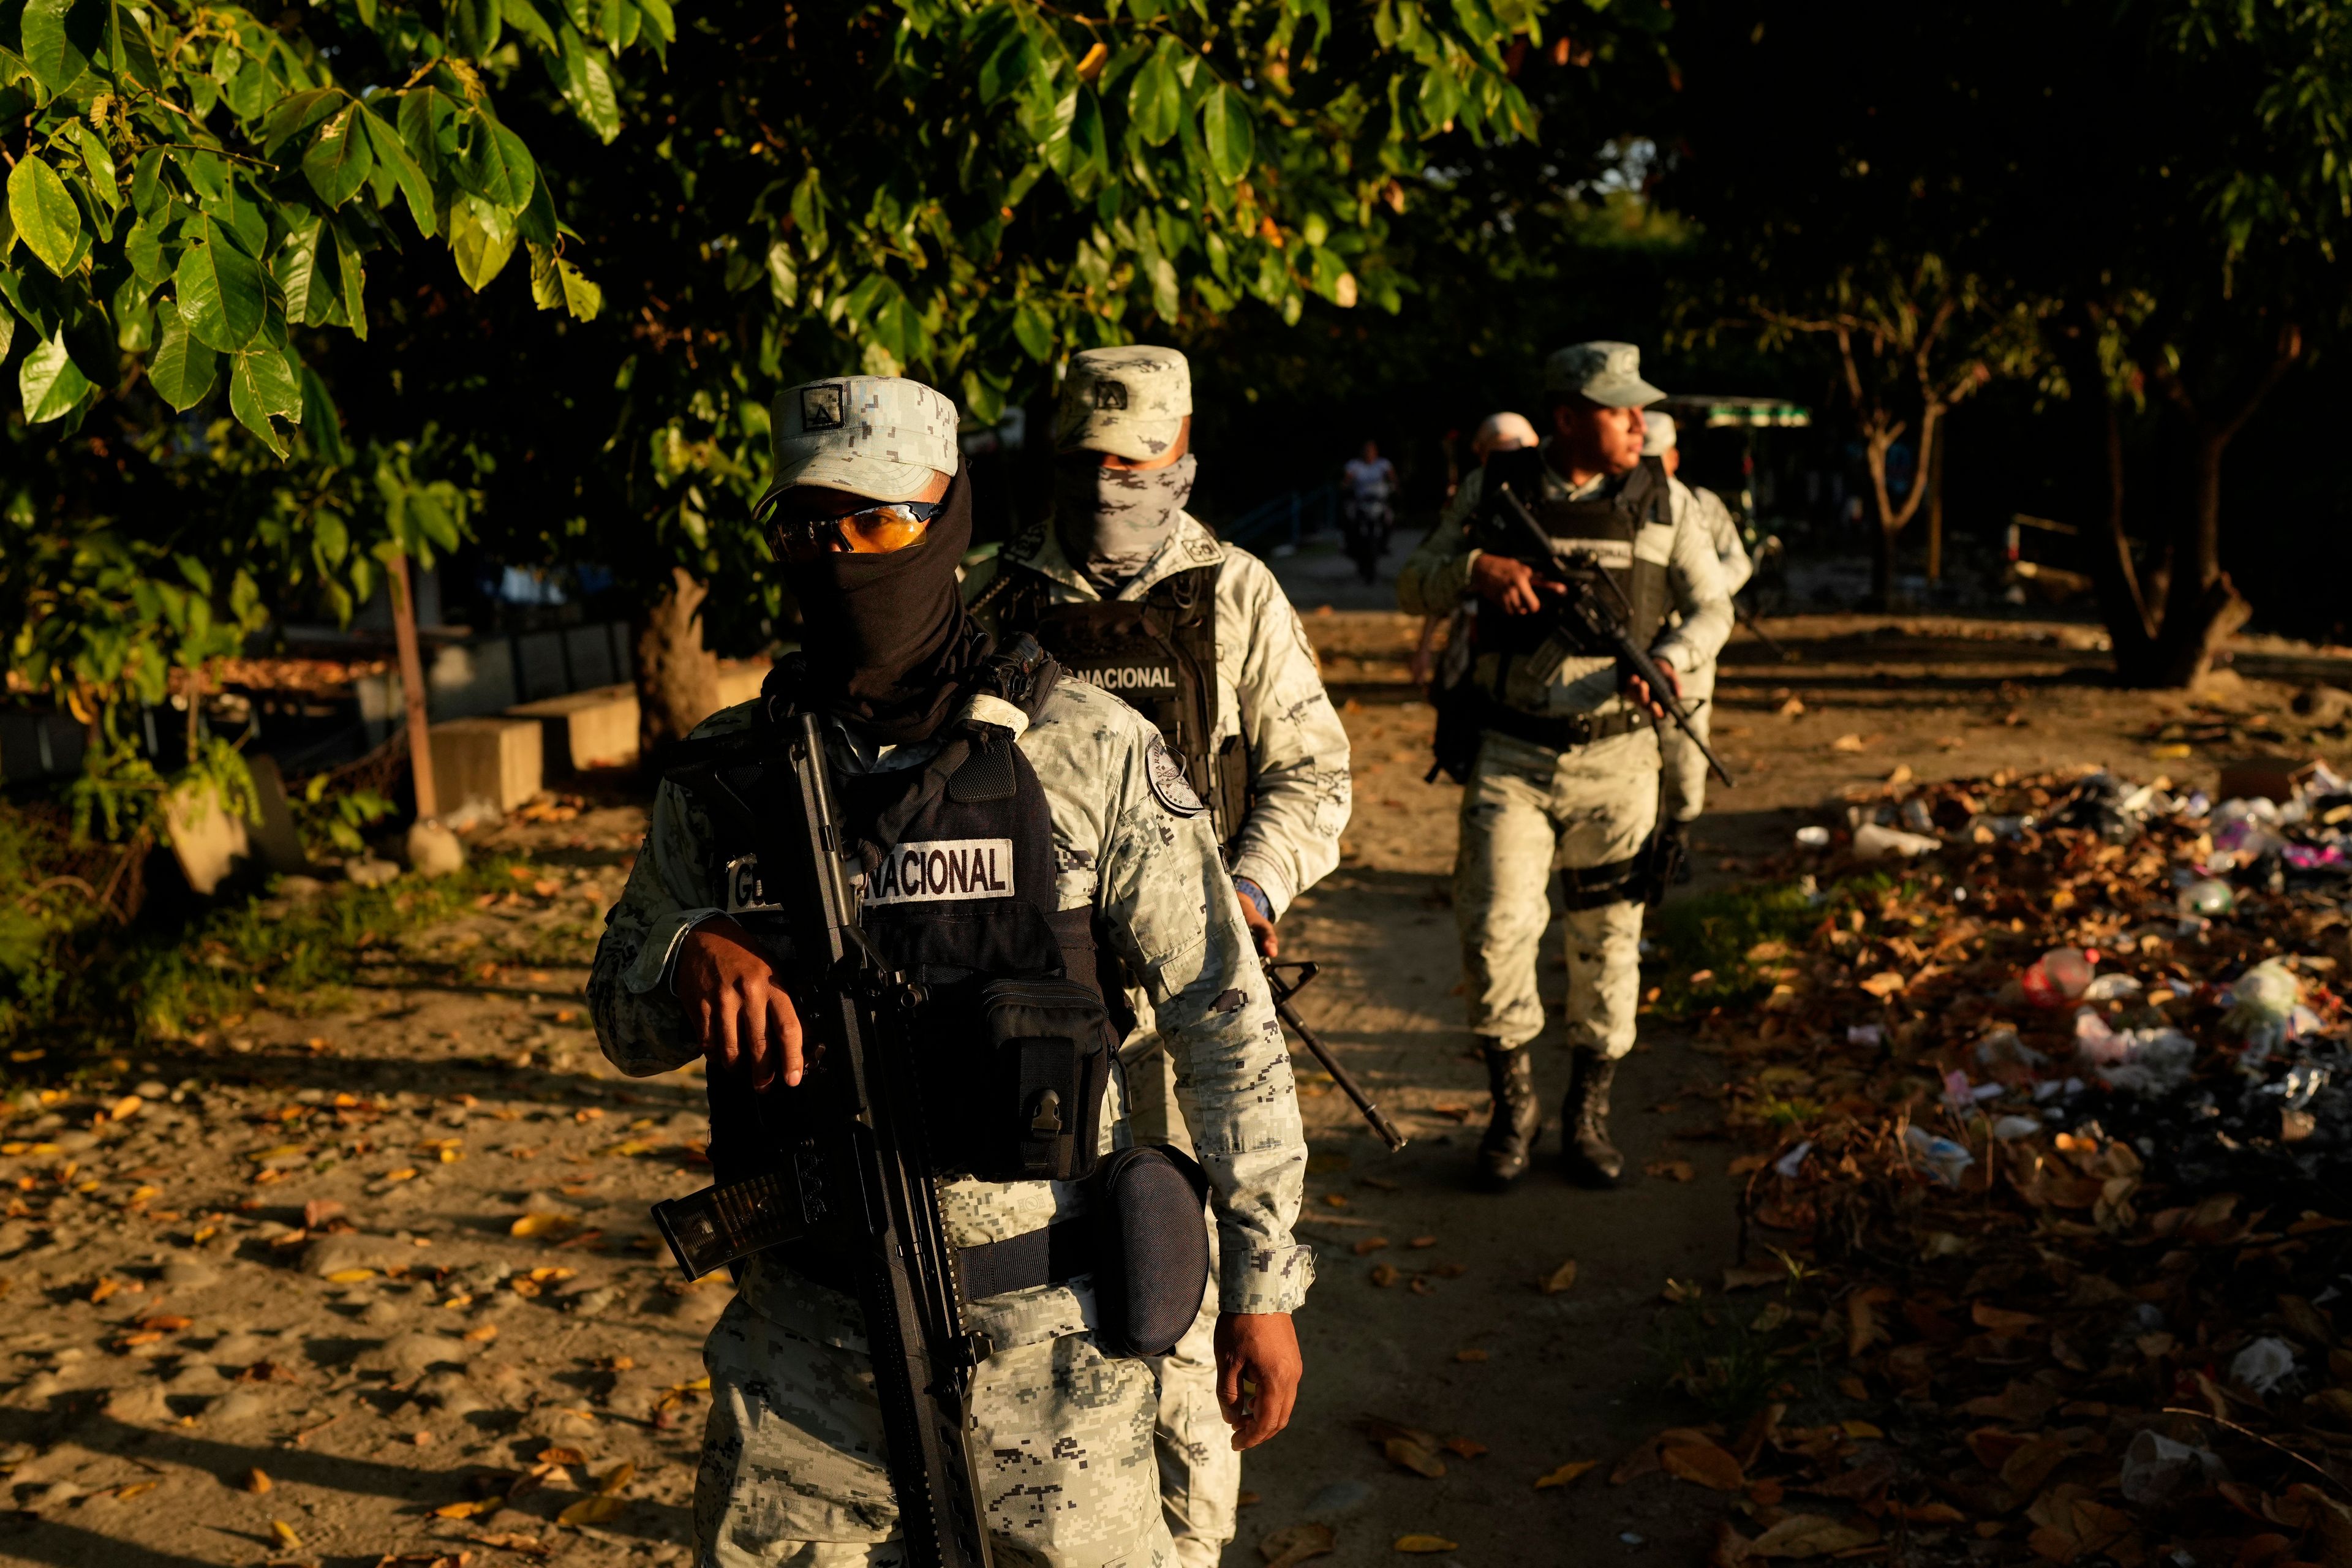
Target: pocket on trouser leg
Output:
[
  {"x": 1199, "y": 1474},
  {"x": 791, "y": 1452},
  {"x": 1063, "y": 1444},
  {"x": 1605, "y": 977}
]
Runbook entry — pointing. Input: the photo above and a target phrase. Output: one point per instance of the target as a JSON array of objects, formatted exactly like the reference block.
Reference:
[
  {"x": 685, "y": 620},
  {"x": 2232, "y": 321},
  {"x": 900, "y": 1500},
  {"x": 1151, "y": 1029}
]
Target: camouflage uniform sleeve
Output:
[
  {"x": 1696, "y": 578},
  {"x": 1730, "y": 550},
  {"x": 639, "y": 1023},
  {"x": 1437, "y": 575},
  {"x": 1298, "y": 747},
  {"x": 1170, "y": 909}
]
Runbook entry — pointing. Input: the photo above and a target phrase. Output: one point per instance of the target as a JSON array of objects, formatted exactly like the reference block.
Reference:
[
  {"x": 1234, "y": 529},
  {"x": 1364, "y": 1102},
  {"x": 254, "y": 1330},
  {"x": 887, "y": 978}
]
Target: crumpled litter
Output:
[
  {"x": 2144, "y": 1062},
  {"x": 1874, "y": 841},
  {"x": 1940, "y": 1157},
  {"x": 2262, "y": 1366},
  {"x": 2155, "y": 1466}
]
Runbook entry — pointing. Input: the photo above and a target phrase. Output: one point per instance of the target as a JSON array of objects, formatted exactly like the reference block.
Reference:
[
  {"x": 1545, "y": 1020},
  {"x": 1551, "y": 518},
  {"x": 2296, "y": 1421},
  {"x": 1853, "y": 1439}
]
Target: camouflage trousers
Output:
[
  {"x": 1686, "y": 768},
  {"x": 792, "y": 1472},
  {"x": 1526, "y": 810},
  {"x": 1200, "y": 1473}
]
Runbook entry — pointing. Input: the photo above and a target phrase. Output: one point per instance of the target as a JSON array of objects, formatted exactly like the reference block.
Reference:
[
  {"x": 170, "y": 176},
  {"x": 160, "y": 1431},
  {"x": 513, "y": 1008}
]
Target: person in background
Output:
[
  {"x": 1368, "y": 508},
  {"x": 1565, "y": 774},
  {"x": 1501, "y": 432},
  {"x": 1686, "y": 768}
]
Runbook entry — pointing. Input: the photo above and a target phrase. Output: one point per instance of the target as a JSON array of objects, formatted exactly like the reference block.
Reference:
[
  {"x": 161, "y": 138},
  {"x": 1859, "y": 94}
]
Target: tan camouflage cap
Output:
[
  {"x": 879, "y": 436},
  {"x": 1657, "y": 433},
  {"x": 1607, "y": 374},
  {"x": 1129, "y": 402}
]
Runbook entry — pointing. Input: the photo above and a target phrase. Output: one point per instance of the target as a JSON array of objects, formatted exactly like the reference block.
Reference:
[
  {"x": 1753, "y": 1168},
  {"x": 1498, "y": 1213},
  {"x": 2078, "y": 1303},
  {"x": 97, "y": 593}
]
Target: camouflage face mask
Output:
[{"x": 1112, "y": 522}]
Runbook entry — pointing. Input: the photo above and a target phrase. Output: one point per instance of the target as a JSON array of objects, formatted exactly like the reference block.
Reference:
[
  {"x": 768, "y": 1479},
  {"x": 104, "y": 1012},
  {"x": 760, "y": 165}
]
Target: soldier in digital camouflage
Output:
[
  {"x": 876, "y": 516},
  {"x": 1135, "y": 595}
]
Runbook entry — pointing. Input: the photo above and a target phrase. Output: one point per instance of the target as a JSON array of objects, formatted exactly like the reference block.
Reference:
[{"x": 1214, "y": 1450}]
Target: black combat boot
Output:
[
  {"x": 1517, "y": 1119},
  {"x": 1593, "y": 1160}
]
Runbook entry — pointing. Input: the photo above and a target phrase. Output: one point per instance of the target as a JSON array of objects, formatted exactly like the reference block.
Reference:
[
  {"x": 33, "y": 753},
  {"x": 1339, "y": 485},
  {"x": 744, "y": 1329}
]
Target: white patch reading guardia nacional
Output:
[{"x": 938, "y": 868}]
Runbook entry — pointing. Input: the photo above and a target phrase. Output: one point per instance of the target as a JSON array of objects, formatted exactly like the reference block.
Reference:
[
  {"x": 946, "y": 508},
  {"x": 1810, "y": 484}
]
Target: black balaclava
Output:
[
  {"x": 888, "y": 643},
  {"x": 1112, "y": 522}
]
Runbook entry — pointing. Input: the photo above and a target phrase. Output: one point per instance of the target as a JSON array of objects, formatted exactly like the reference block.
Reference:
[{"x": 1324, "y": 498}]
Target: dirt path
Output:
[{"x": 297, "y": 1252}]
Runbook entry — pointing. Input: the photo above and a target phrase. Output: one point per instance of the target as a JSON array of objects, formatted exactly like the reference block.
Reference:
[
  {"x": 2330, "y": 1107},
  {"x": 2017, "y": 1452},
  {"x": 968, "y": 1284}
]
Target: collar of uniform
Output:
[
  {"x": 1556, "y": 485},
  {"x": 861, "y": 752},
  {"x": 1190, "y": 546}
]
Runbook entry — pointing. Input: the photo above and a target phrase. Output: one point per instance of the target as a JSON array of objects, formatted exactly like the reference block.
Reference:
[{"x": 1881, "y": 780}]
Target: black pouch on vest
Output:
[
  {"x": 1039, "y": 1115},
  {"x": 1151, "y": 1248}
]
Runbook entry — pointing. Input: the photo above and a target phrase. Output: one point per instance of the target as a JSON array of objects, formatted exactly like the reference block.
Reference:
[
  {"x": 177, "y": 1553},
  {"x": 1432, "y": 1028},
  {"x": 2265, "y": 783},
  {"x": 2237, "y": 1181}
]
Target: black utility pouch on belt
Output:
[
  {"x": 1151, "y": 1248},
  {"x": 1036, "y": 1111}
]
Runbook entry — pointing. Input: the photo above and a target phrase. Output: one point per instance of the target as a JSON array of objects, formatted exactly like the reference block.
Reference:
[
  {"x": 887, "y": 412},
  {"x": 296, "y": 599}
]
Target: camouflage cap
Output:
[
  {"x": 879, "y": 436},
  {"x": 1129, "y": 402},
  {"x": 1657, "y": 433},
  {"x": 1505, "y": 432},
  {"x": 1607, "y": 374}
]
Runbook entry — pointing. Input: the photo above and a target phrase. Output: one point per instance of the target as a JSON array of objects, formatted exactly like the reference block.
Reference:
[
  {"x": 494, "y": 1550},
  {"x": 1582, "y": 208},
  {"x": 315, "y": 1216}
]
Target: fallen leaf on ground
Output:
[
  {"x": 1558, "y": 1279},
  {"x": 596, "y": 1510},
  {"x": 1412, "y": 1455},
  {"x": 561, "y": 1456},
  {"x": 1384, "y": 1274},
  {"x": 284, "y": 1534},
  {"x": 1707, "y": 1463},
  {"x": 1672, "y": 1170},
  {"x": 509, "y": 1540},
  {"x": 1470, "y": 1356},
  {"x": 1846, "y": 743},
  {"x": 531, "y": 1224},
  {"x": 256, "y": 1482},
  {"x": 1467, "y": 1447},
  {"x": 1425, "y": 1543},
  {"x": 1813, "y": 1535},
  {"x": 1566, "y": 1473},
  {"x": 472, "y": 1509},
  {"x": 1370, "y": 1244},
  {"x": 1295, "y": 1544},
  {"x": 610, "y": 1483}
]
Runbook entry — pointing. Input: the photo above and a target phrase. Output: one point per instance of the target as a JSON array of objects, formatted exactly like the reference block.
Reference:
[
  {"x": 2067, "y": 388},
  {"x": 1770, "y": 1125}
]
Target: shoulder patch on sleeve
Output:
[{"x": 1167, "y": 781}]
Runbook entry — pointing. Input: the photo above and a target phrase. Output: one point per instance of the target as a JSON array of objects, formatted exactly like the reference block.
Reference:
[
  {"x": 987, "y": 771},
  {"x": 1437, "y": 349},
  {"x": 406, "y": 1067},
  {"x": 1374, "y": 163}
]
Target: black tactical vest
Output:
[
  {"x": 1158, "y": 653},
  {"x": 958, "y": 896},
  {"x": 1609, "y": 528}
]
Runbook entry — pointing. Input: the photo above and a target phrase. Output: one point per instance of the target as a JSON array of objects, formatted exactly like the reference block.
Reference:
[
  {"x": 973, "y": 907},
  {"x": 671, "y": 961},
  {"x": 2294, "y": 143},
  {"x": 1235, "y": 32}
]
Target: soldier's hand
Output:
[
  {"x": 1258, "y": 1369},
  {"x": 1511, "y": 583},
  {"x": 741, "y": 1016},
  {"x": 1637, "y": 690},
  {"x": 1261, "y": 926}
]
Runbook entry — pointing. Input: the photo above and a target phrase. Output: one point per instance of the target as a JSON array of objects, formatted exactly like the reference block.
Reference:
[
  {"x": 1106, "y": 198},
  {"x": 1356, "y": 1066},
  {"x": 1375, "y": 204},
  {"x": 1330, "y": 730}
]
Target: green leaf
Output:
[
  {"x": 524, "y": 18},
  {"x": 497, "y": 167},
  {"x": 587, "y": 85},
  {"x": 7, "y": 330},
  {"x": 1033, "y": 325},
  {"x": 391, "y": 152},
  {"x": 783, "y": 278},
  {"x": 580, "y": 296},
  {"x": 295, "y": 114},
  {"x": 181, "y": 371},
  {"x": 49, "y": 381},
  {"x": 1440, "y": 97},
  {"x": 338, "y": 161},
  {"x": 147, "y": 191},
  {"x": 261, "y": 386},
  {"x": 296, "y": 269},
  {"x": 142, "y": 247},
  {"x": 220, "y": 293},
  {"x": 661, "y": 26},
  {"x": 481, "y": 239},
  {"x": 473, "y": 27},
  {"x": 45, "y": 214},
  {"x": 1155, "y": 100},
  {"x": 347, "y": 262},
  {"x": 58, "y": 35},
  {"x": 325, "y": 428},
  {"x": 98, "y": 163},
  {"x": 1226, "y": 128}
]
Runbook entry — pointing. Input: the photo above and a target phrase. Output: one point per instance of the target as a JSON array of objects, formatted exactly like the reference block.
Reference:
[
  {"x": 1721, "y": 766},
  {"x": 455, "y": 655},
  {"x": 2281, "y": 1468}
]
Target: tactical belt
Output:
[
  {"x": 1561, "y": 732},
  {"x": 1618, "y": 882},
  {"x": 1050, "y": 1255}
]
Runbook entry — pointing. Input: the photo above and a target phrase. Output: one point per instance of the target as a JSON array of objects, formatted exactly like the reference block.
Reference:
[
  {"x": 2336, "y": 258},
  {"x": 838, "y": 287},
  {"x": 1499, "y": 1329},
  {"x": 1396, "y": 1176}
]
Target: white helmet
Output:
[{"x": 1502, "y": 433}]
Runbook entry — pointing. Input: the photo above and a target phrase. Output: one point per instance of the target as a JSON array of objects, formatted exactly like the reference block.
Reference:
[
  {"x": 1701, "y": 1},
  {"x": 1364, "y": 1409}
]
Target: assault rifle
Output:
[
  {"x": 1587, "y": 604},
  {"x": 846, "y": 1163},
  {"x": 1283, "y": 990}
]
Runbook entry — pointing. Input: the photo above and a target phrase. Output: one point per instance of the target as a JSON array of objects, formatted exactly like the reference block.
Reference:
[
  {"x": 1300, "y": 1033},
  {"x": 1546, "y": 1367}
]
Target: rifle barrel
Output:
[{"x": 1283, "y": 990}]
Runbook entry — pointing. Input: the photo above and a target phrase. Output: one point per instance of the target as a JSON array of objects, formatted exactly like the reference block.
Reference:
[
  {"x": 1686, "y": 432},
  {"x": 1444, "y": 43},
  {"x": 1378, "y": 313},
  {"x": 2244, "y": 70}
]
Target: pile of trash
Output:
[{"x": 2049, "y": 1101}]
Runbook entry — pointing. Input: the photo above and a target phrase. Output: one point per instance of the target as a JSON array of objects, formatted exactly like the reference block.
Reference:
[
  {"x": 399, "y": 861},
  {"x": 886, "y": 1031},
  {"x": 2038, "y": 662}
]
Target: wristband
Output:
[{"x": 1256, "y": 895}]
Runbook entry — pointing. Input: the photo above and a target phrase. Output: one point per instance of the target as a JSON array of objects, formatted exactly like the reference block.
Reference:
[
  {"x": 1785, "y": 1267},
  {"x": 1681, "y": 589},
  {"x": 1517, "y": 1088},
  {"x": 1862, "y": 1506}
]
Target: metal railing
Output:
[{"x": 1286, "y": 519}]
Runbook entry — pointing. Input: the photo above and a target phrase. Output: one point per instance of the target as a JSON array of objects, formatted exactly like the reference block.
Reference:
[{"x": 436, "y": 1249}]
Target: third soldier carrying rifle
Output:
[{"x": 1556, "y": 744}]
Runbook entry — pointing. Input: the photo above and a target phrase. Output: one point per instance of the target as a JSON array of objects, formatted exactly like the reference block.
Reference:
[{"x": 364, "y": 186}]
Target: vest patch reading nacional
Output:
[
  {"x": 1167, "y": 781},
  {"x": 933, "y": 869},
  {"x": 1129, "y": 677}
]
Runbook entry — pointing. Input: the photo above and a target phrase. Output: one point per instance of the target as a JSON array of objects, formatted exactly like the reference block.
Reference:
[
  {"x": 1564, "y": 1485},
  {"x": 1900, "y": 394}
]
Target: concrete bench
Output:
[
  {"x": 499, "y": 761},
  {"x": 592, "y": 729}
]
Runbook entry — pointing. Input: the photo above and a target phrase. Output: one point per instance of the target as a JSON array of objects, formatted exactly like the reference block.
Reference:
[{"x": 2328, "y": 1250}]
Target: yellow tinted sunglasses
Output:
[{"x": 871, "y": 530}]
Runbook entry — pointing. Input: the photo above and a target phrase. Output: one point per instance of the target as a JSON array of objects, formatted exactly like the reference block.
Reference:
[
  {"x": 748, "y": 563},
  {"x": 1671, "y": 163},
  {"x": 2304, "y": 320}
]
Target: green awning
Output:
[{"x": 1720, "y": 413}]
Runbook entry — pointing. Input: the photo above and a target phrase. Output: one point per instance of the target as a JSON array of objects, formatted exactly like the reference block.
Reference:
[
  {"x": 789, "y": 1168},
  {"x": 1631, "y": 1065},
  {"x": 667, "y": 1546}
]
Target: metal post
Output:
[{"x": 412, "y": 688}]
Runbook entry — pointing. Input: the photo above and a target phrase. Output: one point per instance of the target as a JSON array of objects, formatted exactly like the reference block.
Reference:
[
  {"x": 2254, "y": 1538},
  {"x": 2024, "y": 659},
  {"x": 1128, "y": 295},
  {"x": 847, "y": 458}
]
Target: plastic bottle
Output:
[{"x": 2057, "y": 977}]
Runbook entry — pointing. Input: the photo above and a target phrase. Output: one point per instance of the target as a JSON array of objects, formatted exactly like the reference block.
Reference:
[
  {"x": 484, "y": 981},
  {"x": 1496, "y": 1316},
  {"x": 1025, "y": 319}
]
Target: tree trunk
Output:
[
  {"x": 677, "y": 677},
  {"x": 2123, "y": 605},
  {"x": 2201, "y": 606},
  {"x": 1882, "y": 569}
]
